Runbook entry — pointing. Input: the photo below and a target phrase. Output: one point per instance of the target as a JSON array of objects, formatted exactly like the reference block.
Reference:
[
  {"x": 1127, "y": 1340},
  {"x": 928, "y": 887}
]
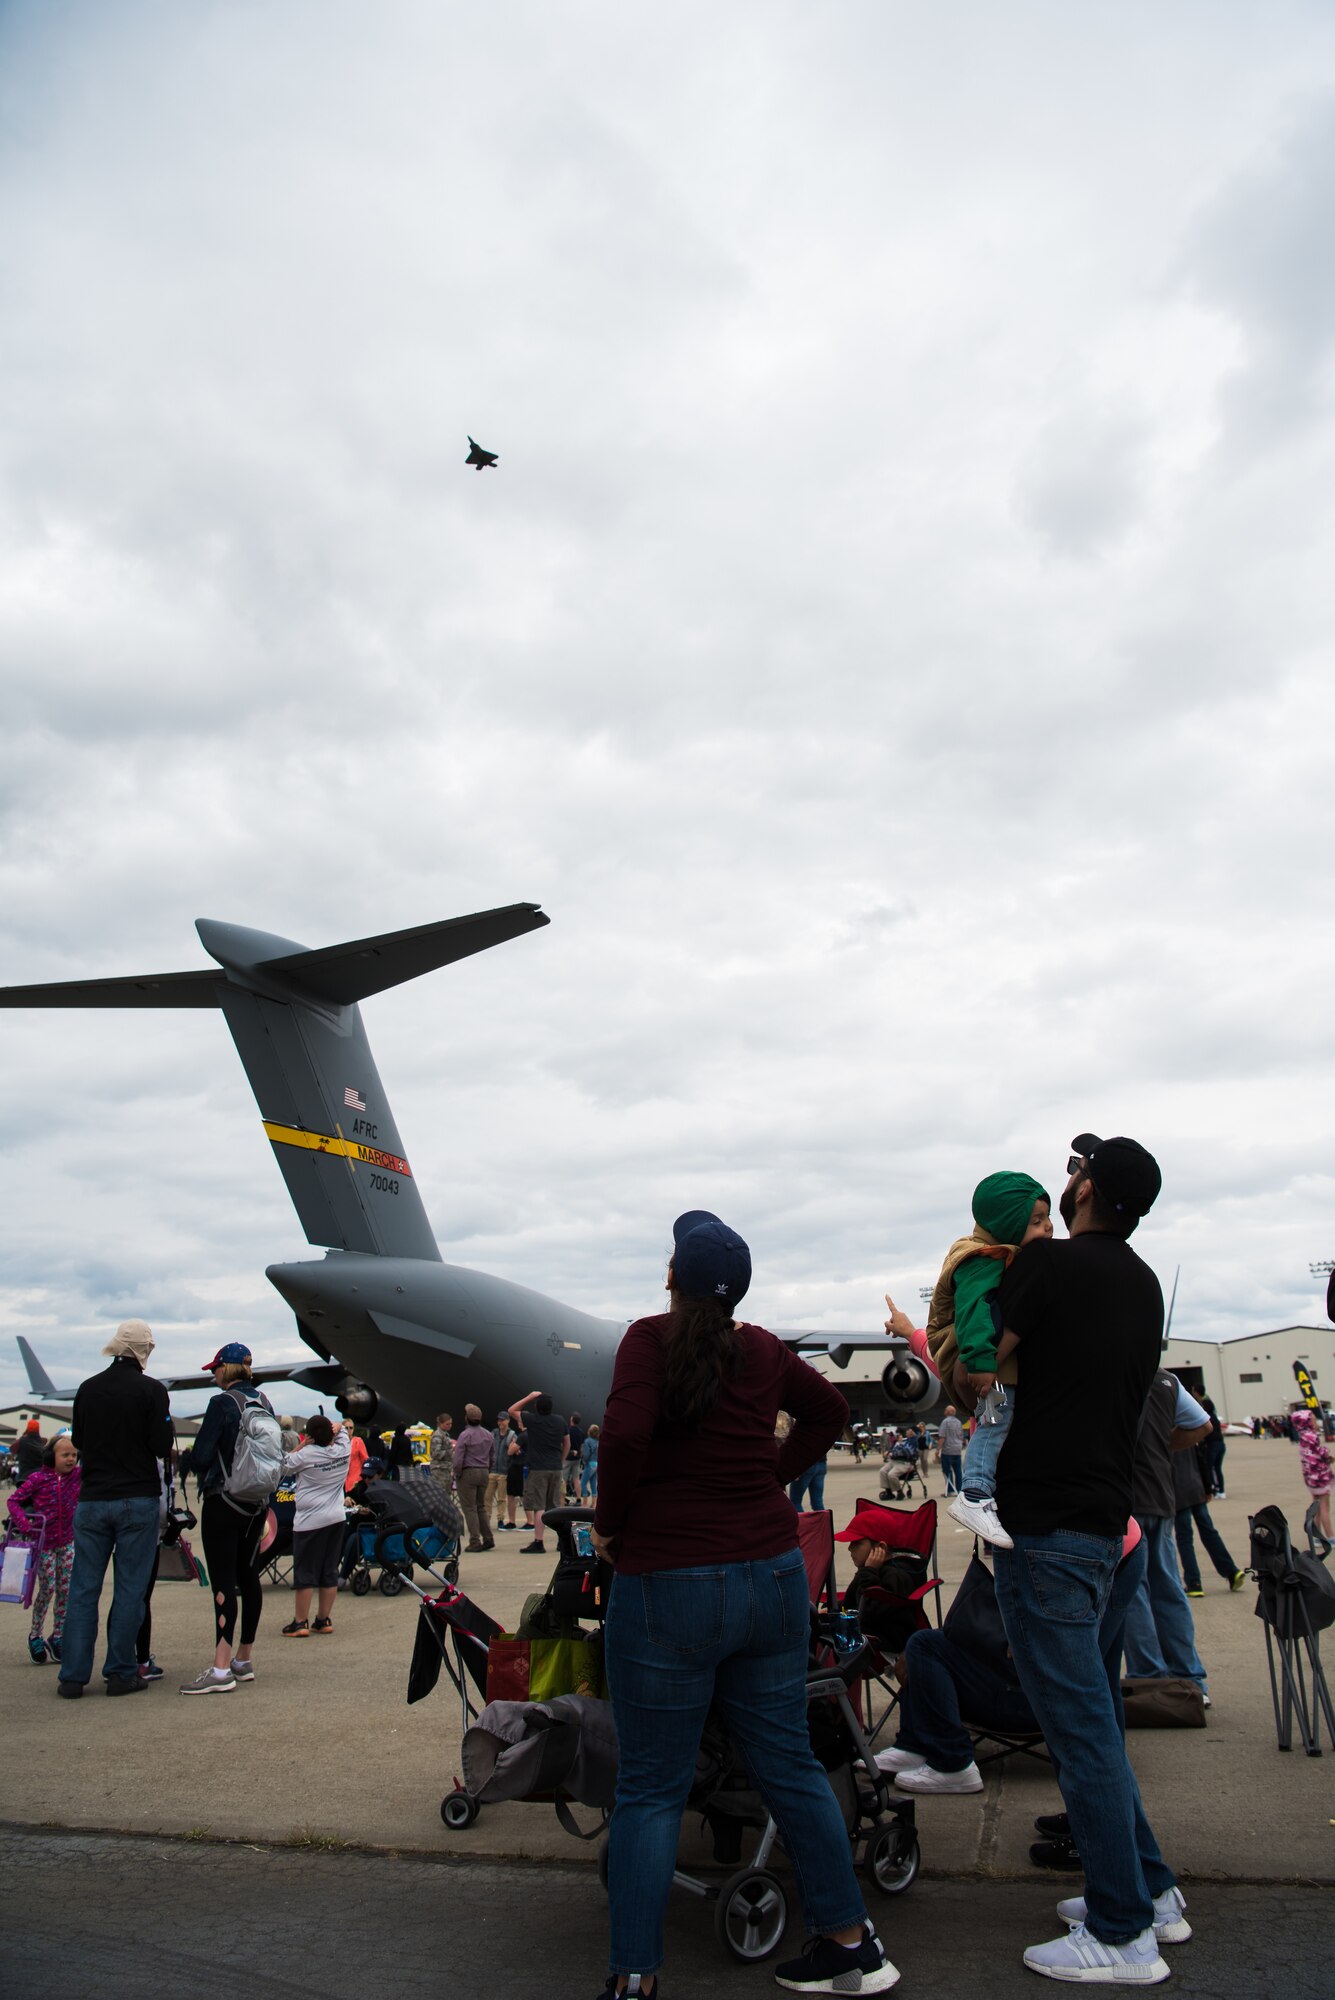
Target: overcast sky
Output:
[{"x": 895, "y": 647}]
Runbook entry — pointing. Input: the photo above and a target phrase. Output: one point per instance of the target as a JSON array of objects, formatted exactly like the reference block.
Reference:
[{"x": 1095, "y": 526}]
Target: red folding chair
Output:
[
  {"x": 815, "y": 1538},
  {"x": 915, "y": 1531}
]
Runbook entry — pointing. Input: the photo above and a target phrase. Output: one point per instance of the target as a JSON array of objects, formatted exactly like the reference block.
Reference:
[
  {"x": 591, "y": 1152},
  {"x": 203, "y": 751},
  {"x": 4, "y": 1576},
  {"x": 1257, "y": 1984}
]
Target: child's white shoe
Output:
[{"x": 980, "y": 1517}]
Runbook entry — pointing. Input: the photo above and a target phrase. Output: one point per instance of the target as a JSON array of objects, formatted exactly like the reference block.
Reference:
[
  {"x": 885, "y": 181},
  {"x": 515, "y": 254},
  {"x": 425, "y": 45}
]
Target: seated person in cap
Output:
[
  {"x": 964, "y": 1338},
  {"x": 882, "y": 1574}
]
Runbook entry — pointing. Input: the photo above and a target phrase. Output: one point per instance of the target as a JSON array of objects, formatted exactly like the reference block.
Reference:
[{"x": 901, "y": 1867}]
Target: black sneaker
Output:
[
  {"x": 533, "y": 1549},
  {"x": 1053, "y": 1826},
  {"x": 650, "y": 1991},
  {"x": 827, "y": 1967},
  {"x": 1060, "y": 1854},
  {"x": 122, "y": 1684}
]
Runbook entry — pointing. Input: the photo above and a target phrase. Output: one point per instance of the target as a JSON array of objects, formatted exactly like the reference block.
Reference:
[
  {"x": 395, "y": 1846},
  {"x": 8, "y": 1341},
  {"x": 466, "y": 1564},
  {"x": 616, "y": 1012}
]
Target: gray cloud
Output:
[{"x": 865, "y": 649}]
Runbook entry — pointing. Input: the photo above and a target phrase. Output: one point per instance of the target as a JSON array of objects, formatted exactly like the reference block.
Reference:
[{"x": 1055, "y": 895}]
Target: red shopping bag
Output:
[{"x": 508, "y": 1660}]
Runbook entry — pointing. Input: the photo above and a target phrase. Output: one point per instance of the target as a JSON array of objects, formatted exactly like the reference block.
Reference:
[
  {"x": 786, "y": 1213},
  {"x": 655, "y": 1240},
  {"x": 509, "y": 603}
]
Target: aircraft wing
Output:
[
  {"x": 907, "y": 1384},
  {"x": 324, "y": 1380},
  {"x": 841, "y": 1347}
]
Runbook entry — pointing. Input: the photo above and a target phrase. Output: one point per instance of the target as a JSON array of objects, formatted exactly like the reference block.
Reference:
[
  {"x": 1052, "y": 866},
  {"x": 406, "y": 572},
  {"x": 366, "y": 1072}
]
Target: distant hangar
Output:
[{"x": 1252, "y": 1374}]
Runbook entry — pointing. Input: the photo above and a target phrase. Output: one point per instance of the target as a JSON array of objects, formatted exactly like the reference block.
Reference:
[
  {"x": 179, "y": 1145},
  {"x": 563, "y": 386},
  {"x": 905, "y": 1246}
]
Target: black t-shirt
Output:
[
  {"x": 545, "y": 1437},
  {"x": 1089, "y": 1315}
]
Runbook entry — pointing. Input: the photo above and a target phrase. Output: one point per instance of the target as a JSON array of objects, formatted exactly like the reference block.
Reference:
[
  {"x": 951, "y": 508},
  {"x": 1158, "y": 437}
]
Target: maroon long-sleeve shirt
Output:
[{"x": 678, "y": 1499}]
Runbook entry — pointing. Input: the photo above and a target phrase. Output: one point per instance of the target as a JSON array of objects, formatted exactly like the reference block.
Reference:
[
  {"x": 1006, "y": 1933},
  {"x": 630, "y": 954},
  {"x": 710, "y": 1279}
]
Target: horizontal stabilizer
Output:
[
  {"x": 347, "y": 973},
  {"x": 165, "y": 989}
]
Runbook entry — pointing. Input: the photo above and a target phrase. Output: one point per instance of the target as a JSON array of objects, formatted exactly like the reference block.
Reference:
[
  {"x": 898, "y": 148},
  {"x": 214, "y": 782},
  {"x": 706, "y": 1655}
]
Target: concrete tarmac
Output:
[
  {"x": 111, "y": 1918},
  {"x": 321, "y": 1754}
]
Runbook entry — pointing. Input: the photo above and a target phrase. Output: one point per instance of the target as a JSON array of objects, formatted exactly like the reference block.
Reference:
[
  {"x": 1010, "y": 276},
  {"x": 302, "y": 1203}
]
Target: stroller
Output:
[
  {"x": 751, "y": 1902},
  {"x": 401, "y": 1536}
]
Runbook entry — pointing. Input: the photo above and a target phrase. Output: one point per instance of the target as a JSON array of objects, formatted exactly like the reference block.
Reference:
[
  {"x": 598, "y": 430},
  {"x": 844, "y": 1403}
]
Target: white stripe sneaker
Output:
[
  {"x": 1170, "y": 1923},
  {"x": 1083, "y": 1959},
  {"x": 924, "y": 1779},
  {"x": 899, "y": 1760}
]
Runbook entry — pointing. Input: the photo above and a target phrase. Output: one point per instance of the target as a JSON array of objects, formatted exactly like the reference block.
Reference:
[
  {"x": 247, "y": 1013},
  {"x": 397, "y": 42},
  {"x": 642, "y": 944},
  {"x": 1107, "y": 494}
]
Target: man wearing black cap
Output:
[{"x": 1089, "y": 1316}]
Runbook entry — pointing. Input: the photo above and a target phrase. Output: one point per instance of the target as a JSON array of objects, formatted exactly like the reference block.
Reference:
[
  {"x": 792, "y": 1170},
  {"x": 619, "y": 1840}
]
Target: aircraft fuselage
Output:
[{"x": 430, "y": 1337}]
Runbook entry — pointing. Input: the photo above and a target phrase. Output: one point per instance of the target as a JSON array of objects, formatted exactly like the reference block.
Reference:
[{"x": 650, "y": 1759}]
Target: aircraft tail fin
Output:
[
  {"x": 38, "y": 1380},
  {"x": 294, "y": 1018}
]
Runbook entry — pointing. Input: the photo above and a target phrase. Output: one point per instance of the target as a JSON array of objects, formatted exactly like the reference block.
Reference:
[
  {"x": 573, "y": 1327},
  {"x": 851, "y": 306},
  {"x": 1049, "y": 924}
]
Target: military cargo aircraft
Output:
[{"x": 398, "y": 1332}]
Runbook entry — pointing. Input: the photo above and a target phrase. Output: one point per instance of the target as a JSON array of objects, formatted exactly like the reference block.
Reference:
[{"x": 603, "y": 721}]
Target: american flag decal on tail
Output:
[{"x": 352, "y": 1100}]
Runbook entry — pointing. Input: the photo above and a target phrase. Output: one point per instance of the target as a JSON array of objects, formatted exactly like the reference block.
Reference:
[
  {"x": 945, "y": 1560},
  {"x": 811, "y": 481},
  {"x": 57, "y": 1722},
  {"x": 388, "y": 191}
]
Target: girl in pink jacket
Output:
[{"x": 52, "y": 1494}]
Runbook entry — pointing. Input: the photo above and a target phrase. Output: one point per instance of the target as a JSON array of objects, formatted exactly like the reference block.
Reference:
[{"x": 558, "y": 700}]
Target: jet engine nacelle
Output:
[
  {"x": 909, "y": 1387},
  {"x": 357, "y": 1402}
]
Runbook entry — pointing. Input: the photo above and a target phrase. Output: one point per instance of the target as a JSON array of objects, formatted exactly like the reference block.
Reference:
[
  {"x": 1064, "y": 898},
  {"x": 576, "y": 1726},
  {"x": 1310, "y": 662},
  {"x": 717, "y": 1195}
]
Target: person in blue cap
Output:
[
  {"x": 709, "y": 1606},
  {"x": 231, "y": 1530}
]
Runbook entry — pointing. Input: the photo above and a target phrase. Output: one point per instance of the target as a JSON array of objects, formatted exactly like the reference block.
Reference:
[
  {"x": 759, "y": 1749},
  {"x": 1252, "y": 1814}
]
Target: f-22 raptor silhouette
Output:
[{"x": 478, "y": 457}]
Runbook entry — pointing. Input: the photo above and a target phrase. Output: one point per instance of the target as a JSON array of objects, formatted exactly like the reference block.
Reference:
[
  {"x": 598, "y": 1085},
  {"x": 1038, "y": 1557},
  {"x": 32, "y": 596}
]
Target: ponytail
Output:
[{"x": 704, "y": 1350}]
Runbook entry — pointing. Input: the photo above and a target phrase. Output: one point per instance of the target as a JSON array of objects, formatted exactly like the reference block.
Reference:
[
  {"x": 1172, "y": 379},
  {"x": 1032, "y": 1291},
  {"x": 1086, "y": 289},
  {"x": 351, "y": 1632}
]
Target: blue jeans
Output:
[
  {"x": 951, "y": 1462},
  {"x": 812, "y": 1483},
  {"x": 1160, "y": 1630},
  {"x": 1211, "y": 1541},
  {"x": 1053, "y": 1591},
  {"x": 128, "y": 1531},
  {"x": 734, "y": 1635},
  {"x": 980, "y": 1460},
  {"x": 944, "y": 1684}
]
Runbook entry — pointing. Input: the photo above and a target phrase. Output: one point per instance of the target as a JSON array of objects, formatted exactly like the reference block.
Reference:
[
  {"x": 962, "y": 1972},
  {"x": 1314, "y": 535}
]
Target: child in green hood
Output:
[{"x": 1009, "y": 1210}]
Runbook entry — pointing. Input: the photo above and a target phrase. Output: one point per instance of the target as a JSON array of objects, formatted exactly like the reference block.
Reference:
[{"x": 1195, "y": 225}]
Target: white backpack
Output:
[{"x": 257, "y": 1458}]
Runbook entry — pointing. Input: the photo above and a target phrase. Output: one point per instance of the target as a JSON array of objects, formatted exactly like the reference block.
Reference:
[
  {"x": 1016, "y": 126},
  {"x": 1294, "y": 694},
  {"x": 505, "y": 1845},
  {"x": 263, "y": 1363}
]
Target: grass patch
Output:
[{"x": 312, "y": 1839}]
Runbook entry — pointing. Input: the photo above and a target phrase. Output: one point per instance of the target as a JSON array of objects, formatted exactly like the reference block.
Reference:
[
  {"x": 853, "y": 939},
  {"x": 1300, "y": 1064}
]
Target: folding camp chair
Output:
[
  {"x": 914, "y": 1533},
  {"x": 815, "y": 1538},
  {"x": 1295, "y": 1601},
  {"x": 974, "y": 1622}
]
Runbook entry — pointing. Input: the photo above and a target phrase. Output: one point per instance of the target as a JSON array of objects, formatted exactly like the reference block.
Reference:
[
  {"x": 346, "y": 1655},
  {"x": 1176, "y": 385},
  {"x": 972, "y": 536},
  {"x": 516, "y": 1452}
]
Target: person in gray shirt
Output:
[{"x": 952, "y": 1448}]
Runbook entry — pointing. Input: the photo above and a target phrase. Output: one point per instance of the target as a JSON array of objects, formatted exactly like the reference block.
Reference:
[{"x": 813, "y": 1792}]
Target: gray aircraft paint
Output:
[{"x": 381, "y": 1309}]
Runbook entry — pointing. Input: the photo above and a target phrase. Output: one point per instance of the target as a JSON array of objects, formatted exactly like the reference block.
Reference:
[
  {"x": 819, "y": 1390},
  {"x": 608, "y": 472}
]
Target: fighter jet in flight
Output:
[
  {"x": 481, "y": 459},
  {"x": 398, "y": 1333}
]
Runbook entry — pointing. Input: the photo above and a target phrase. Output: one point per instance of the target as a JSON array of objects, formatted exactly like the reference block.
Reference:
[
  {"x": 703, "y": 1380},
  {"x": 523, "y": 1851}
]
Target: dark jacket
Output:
[
  {"x": 28, "y": 1454},
  {"x": 122, "y": 1430},
  {"x": 1152, "y": 1478},
  {"x": 1188, "y": 1482}
]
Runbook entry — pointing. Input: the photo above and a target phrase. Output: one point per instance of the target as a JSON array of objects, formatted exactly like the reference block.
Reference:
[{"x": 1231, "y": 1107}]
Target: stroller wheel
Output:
[
  {"x": 458, "y": 1810},
  {"x": 751, "y": 1914},
  {"x": 450, "y": 1570},
  {"x": 892, "y": 1858},
  {"x": 361, "y": 1582},
  {"x": 391, "y": 1583}
]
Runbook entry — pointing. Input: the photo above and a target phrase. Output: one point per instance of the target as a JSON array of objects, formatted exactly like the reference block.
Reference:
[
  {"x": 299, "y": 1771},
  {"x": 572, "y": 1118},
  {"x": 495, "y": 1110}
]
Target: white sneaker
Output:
[
  {"x": 1170, "y": 1923},
  {"x": 980, "y": 1517},
  {"x": 922, "y": 1778},
  {"x": 1079, "y": 1956},
  {"x": 898, "y": 1760}
]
